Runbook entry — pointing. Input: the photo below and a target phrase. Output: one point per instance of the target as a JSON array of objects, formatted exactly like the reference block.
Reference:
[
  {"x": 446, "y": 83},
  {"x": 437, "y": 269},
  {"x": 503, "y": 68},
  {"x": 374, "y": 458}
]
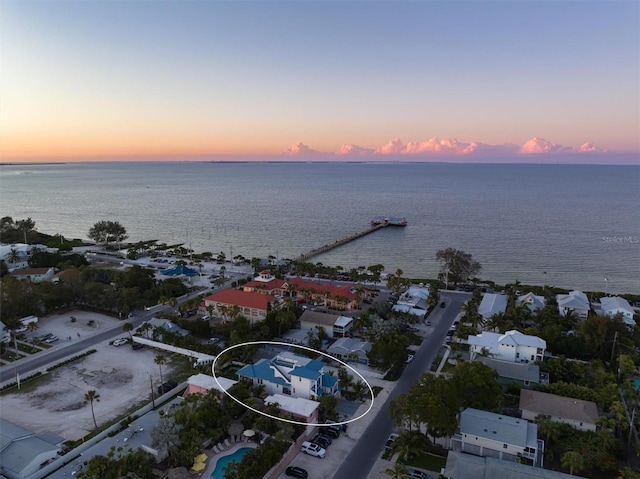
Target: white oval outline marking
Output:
[{"x": 213, "y": 372}]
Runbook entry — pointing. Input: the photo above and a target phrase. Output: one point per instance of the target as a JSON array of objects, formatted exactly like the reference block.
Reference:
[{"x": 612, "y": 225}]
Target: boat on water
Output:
[{"x": 388, "y": 221}]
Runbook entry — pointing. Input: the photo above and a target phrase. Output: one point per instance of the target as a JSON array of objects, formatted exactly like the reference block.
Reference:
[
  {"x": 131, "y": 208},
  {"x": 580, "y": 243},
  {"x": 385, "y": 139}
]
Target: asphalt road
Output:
[
  {"x": 367, "y": 450},
  {"x": 42, "y": 359}
]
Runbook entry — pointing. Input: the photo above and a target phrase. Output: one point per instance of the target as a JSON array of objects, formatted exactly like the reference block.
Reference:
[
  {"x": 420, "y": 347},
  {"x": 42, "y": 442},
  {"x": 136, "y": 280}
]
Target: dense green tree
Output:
[
  {"x": 573, "y": 461},
  {"x": 328, "y": 405},
  {"x": 457, "y": 264},
  {"x": 106, "y": 231},
  {"x": 477, "y": 385},
  {"x": 119, "y": 463}
]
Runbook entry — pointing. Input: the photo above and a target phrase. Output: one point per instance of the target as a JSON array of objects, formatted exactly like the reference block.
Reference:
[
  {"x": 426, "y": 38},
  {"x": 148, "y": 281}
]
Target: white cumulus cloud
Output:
[
  {"x": 350, "y": 149},
  {"x": 589, "y": 147},
  {"x": 540, "y": 145},
  {"x": 393, "y": 147},
  {"x": 300, "y": 149}
]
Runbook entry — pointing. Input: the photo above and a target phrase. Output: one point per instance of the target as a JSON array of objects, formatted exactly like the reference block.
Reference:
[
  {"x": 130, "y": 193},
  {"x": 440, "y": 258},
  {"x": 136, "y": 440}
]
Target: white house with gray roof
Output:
[
  {"x": 492, "y": 304},
  {"x": 508, "y": 438},
  {"x": 511, "y": 346},
  {"x": 575, "y": 302},
  {"x": 413, "y": 301},
  {"x": 466, "y": 466},
  {"x": 613, "y": 305},
  {"x": 532, "y": 301},
  {"x": 350, "y": 349},
  {"x": 582, "y": 415},
  {"x": 23, "y": 453}
]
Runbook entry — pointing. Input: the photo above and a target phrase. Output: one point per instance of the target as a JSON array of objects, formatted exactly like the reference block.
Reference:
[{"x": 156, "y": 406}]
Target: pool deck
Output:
[{"x": 213, "y": 457}]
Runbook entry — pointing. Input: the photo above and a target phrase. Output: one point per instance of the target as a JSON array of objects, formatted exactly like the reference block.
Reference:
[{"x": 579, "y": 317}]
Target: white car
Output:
[
  {"x": 313, "y": 449},
  {"x": 120, "y": 342},
  {"x": 409, "y": 358}
]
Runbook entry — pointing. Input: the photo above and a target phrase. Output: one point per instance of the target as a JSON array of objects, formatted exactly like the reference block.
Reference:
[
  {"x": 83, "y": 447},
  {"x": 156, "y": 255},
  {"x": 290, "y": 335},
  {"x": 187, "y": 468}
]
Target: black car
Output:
[
  {"x": 137, "y": 345},
  {"x": 167, "y": 386},
  {"x": 442, "y": 305},
  {"x": 331, "y": 432},
  {"x": 322, "y": 441},
  {"x": 295, "y": 471}
]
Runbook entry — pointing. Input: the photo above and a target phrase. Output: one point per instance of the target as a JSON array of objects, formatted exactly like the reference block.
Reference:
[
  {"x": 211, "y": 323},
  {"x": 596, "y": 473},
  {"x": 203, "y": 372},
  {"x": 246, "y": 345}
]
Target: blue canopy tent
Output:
[{"x": 180, "y": 270}]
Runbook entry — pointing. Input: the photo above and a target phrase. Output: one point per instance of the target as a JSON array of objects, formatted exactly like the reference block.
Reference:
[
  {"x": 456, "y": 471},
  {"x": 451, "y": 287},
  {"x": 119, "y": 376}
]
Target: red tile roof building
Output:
[
  {"x": 253, "y": 306},
  {"x": 337, "y": 297},
  {"x": 265, "y": 283}
]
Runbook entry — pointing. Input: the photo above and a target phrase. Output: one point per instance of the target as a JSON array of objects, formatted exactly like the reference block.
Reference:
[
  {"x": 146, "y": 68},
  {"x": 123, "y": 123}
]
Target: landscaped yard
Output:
[{"x": 430, "y": 462}]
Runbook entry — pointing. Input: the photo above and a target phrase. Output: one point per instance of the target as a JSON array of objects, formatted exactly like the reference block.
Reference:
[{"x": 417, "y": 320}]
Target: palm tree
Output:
[
  {"x": 172, "y": 302},
  {"x": 399, "y": 471},
  {"x": 13, "y": 256},
  {"x": 90, "y": 397},
  {"x": 127, "y": 328},
  {"x": 145, "y": 328},
  {"x": 32, "y": 328},
  {"x": 160, "y": 360},
  {"x": 573, "y": 460},
  {"x": 410, "y": 443}
]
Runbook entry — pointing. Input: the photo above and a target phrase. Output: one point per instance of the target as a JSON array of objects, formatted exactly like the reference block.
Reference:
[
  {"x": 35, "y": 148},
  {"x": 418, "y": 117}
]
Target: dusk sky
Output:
[{"x": 426, "y": 79}]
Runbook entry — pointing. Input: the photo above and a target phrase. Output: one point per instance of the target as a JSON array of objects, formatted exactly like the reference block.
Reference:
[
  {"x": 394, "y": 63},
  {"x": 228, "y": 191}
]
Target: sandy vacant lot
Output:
[{"x": 119, "y": 375}]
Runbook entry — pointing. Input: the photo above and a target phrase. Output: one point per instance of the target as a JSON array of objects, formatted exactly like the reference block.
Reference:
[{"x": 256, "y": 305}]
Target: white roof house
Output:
[
  {"x": 487, "y": 434},
  {"x": 511, "y": 346},
  {"x": 17, "y": 255},
  {"x": 492, "y": 304},
  {"x": 350, "y": 348},
  {"x": 415, "y": 297},
  {"x": 22, "y": 452},
  {"x": 533, "y": 302},
  {"x": 203, "y": 383},
  {"x": 610, "y": 306},
  {"x": 575, "y": 302},
  {"x": 295, "y": 406}
]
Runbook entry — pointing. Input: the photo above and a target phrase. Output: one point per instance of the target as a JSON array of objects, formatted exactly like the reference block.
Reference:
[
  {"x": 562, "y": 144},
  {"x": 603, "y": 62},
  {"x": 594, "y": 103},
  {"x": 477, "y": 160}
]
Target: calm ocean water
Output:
[{"x": 563, "y": 225}]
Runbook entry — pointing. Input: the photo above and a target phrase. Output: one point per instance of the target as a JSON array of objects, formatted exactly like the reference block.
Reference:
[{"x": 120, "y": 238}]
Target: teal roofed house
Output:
[{"x": 293, "y": 375}]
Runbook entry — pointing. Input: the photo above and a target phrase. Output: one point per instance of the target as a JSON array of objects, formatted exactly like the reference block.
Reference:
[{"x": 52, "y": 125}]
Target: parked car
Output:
[
  {"x": 409, "y": 358},
  {"x": 213, "y": 340},
  {"x": 167, "y": 386},
  {"x": 137, "y": 346},
  {"x": 416, "y": 474},
  {"x": 331, "y": 432},
  {"x": 313, "y": 449},
  {"x": 392, "y": 437},
  {"x": 44, "y": 337},
  {"x": 295, "y": 471},
  {"x": 51, "y": 339},
  {"x": 120, "y": 342},
  {"x": 322, "y": 441},
  {"x": 322, "y": 435}
]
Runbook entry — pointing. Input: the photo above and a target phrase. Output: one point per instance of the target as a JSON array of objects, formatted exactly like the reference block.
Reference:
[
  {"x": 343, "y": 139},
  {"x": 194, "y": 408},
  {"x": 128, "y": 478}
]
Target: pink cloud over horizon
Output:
[
  {"x": 350, "y": 149},
  {"x": 301, "y": 149},
  {"x": 450, "y": 147}
]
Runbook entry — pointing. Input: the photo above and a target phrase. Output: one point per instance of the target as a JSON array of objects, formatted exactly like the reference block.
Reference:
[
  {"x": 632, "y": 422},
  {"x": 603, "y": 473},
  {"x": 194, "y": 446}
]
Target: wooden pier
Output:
[{"x": 347, "y": 239}]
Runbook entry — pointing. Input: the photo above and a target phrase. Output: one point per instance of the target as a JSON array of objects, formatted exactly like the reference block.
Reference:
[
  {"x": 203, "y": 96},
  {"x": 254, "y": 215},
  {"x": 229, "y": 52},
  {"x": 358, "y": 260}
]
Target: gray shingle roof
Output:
[
  {"x": 559, "y": 406},
  {"x": 496, "y": 427},
  {"x": 465, "y": 466}
]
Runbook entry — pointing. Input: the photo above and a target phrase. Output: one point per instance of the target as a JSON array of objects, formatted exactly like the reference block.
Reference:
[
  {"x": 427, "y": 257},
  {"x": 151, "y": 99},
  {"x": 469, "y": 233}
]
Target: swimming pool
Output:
[{"x": 218, "y": 473}]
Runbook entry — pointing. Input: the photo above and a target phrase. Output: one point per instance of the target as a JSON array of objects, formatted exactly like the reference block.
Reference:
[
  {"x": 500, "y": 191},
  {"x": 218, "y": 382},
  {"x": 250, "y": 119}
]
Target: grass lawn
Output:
[
  {"x": 429, "y": 462},
  {"x": 26, "y": 348},
  {"x": 436, "y": 362}
]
